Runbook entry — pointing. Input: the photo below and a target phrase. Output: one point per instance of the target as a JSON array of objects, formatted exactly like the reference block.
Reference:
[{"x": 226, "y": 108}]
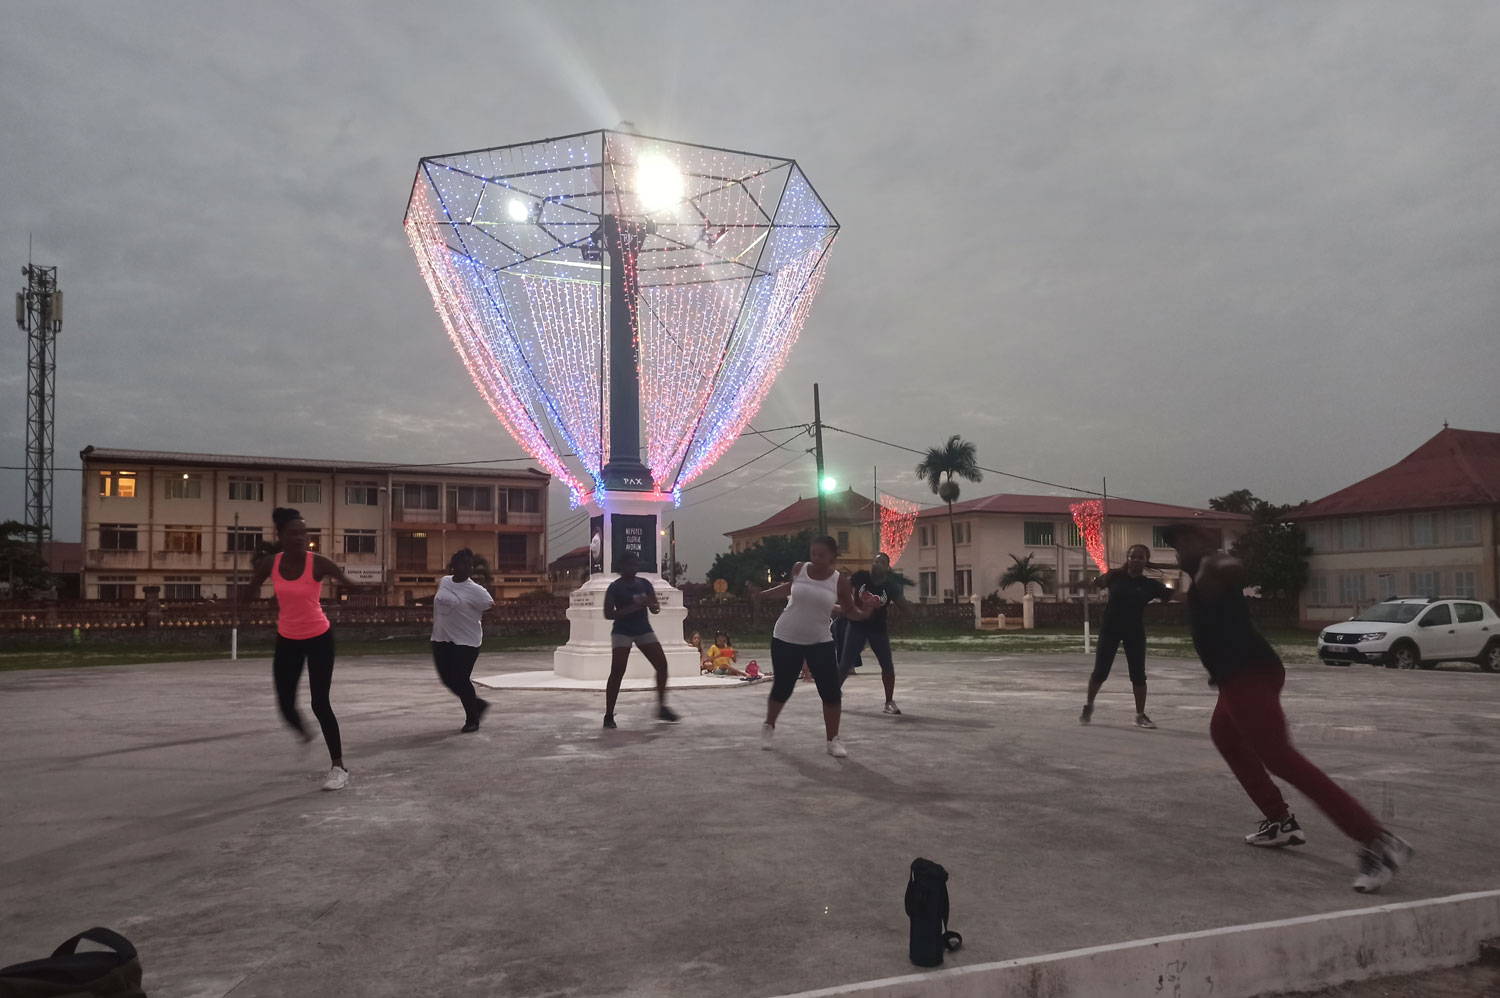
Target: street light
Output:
[{"x": 829, "y": 483}]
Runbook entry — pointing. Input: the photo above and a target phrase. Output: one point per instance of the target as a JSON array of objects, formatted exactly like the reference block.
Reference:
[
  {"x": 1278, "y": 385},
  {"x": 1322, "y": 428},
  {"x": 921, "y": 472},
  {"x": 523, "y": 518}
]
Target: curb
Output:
[{"x": 1241, "y": 961}]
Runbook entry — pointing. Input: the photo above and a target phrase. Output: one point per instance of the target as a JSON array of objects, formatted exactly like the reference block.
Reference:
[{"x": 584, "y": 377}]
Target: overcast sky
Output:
[{"x": 1188, "y": 246}]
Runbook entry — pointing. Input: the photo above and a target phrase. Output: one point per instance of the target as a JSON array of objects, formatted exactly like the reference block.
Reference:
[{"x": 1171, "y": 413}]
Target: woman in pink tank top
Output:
[{"x": 303, "y": 634}]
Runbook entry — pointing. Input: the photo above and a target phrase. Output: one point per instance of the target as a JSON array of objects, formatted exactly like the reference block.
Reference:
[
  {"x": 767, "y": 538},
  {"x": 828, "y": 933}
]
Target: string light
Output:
[
  {"x": 1088, "y": 516},
  {"x": 733, "y": 251},
  {"x": 898, "y": 518}
]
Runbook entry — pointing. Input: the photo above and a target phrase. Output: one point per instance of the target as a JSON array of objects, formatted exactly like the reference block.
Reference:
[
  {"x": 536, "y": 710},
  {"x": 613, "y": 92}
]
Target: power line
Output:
[
  {"x": 993, "y": 471},
  {"x": 794, "y": 458},
  {"x": 747, "y": 464}
]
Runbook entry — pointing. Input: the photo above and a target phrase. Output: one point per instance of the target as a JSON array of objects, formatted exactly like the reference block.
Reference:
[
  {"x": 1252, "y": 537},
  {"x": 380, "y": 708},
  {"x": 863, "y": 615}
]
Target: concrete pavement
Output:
[{"x": 544, "y": 857}]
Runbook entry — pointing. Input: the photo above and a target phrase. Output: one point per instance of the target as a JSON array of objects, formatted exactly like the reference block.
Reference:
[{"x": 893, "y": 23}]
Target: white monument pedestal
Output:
[{"x": 589, "y": 649}]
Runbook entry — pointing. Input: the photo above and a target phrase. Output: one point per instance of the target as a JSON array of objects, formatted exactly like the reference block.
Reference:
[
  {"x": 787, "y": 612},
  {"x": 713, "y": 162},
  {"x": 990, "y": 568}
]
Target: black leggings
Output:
[
  {"x": 455, "y": 664},
  {"x": 286, "y": 667},
  {"x": 786, "y": 663},
  {"x": 1110, "y": 639}
]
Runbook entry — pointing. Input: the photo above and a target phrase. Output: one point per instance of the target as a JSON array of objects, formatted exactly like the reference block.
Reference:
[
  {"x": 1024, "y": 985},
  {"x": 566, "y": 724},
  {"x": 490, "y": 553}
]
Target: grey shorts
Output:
[{"x": 639, "y": 640}]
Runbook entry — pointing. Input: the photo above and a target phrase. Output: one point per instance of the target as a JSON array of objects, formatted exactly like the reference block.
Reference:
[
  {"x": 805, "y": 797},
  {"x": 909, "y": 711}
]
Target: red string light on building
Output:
[
  {"x": 1088, "y": 516},
  {"x": 898, "y": 518}
]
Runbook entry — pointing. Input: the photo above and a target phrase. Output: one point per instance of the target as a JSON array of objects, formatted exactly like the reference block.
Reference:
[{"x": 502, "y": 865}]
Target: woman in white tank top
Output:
[{"x": 802, "y": 635}]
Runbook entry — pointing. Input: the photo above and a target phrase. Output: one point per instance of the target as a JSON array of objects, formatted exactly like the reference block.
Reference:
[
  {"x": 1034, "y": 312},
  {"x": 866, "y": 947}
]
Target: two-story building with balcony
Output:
[
  {"x": 190, "y": 524},
  {"x": 988, "y": 532},
  {"x": 1428, "y": 525}
]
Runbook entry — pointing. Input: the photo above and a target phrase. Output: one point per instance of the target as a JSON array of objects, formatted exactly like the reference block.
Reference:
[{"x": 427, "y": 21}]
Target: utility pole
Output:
[
  {"x": 875, "y": 513},
  {"x": 39, "y": 313},
  {"x": 818, "y": 445}
]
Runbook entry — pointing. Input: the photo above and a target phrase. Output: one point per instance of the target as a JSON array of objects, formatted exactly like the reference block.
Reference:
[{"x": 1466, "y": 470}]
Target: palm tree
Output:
[
  {"x": 1024, "y": 574},
  {"x": 956, "y": 457}
]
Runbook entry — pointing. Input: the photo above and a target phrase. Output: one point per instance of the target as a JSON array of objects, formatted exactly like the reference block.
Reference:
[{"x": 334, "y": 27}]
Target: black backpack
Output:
[
  {"x": 927, "y": 906},
  {"x": 70, "y": 974}
]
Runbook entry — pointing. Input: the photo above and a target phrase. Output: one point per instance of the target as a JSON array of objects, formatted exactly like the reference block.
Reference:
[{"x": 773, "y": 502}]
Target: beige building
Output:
[
  {"x": 851, "y": 522},
  {"x": 187, "y": 522},
  {"x": 1425, "y": 526},
  {"x": 990, "y": 530}
]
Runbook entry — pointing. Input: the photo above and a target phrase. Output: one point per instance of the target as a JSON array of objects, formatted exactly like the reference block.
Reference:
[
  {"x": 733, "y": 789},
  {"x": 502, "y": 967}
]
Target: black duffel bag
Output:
[
  {"x": 70, "y": 974},
  {"x": 927, "y": 906}
]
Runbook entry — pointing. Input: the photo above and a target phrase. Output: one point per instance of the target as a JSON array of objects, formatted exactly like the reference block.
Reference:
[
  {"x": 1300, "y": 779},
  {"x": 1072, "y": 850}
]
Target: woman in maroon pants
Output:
[{"x": 1248, "y": 727}]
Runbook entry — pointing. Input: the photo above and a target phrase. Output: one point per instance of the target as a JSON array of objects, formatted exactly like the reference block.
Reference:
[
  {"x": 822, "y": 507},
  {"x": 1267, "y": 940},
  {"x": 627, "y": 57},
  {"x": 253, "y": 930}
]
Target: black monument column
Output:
[{"x": 624, "y": 471}]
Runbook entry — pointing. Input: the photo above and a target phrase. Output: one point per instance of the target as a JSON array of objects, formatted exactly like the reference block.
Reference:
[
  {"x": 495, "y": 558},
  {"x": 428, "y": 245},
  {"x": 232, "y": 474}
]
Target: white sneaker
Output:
[
  {"x": 766, "y": 731},
  {"x": 891, "y": 708},
  {"x": 836, "y": 749},
  {"x": 338, "y": 779}
]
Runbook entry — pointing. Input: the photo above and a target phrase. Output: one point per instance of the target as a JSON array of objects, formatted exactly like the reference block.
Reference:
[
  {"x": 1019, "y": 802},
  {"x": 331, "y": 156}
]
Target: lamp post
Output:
[
  {"x": 385, "y": 540},
  {"x": 234, "y": 597}
]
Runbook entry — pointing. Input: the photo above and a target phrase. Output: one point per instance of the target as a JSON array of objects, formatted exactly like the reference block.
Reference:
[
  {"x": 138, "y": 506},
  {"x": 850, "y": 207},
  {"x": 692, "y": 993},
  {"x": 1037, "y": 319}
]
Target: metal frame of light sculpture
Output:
[
  {"x": 1089, "y": 518},
  {"x": 898, "y": 518},
  {"x": 582, "y": 276}
]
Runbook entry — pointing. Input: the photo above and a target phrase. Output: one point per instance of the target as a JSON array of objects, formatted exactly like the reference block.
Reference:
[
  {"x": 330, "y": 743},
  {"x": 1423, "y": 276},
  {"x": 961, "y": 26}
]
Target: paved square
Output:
[{"x": 543, "y": 857}]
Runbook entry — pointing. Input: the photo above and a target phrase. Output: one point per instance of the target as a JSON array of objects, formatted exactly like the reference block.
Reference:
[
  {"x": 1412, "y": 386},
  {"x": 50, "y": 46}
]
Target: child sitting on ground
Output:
[{"x": 721, "y": 656}]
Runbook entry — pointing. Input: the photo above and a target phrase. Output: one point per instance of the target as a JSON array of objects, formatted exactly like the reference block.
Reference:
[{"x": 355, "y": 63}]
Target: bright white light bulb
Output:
[
  {"x": 658, "y": 182},
  {"x": 517, "y": 210}
]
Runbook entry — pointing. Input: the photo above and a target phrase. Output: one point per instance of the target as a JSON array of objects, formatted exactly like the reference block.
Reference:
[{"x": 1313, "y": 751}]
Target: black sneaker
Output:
[
  {"x": 470, "y": 727},
  {"x": 665, "y": 713},
  {"x": 1275, "y": 834},
  {"x": 1087, "y": 715},
  {"x": 609, "y": 720}
]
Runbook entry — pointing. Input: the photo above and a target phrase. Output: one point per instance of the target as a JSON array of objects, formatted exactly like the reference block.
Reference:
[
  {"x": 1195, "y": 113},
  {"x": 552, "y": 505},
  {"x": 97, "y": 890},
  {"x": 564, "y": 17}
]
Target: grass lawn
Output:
[{"x": 1292, "y": 645}]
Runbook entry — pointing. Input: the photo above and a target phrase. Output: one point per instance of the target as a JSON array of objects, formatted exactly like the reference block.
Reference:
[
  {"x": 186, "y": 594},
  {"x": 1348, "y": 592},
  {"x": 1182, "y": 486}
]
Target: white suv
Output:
[{"x": 1413, "y": 632}]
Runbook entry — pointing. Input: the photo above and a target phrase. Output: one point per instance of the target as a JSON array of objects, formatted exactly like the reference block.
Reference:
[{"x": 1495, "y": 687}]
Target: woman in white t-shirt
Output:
[{"x": 457, "y": 632}]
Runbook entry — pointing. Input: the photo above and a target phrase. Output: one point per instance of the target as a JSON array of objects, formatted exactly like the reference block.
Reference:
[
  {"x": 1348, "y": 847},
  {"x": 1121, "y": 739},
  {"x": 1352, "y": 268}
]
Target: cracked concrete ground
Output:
[{"x": 544, "y": 857}]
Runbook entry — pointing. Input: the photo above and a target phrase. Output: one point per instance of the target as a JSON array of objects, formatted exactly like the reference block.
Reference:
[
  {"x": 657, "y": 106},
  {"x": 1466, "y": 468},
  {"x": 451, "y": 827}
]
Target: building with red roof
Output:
[
  {"x": 852, "y": 521},
  {"x": 1425, "y": 526},
  {"x": 992, "y": 530}
]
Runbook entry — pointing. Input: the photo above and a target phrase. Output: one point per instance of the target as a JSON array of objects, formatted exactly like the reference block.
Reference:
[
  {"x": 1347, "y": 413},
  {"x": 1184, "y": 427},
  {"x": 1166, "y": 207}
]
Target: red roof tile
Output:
[
  {"x": 1454, "y": 468},
  {"x": 850, "y": 506},
  {"x": 847, "y": 506},
  {"x": 1013, "y": 503}
]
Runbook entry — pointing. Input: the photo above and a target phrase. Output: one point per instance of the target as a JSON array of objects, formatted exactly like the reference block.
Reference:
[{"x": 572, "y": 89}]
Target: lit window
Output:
[{"x": 117, "y": 484}]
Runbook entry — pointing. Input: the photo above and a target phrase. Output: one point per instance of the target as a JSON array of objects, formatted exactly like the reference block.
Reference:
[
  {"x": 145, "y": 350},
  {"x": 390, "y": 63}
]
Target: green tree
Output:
[
  {"x": 764, "y": 563},
  {"x": 1274, "y": 549},
  {"x": 956, "y": 457},
  {"x": 21, "y": 566},
  {"x": 1024, "y": 573}
]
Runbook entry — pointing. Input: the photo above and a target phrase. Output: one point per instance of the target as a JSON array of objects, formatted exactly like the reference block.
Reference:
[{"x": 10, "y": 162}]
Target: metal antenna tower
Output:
[{"x": 39, "y": 312}]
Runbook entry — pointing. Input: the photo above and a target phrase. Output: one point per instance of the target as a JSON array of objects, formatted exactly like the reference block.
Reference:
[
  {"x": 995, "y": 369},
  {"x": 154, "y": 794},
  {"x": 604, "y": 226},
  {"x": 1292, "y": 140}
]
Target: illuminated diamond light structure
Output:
[{"x": 601, "y": 282}]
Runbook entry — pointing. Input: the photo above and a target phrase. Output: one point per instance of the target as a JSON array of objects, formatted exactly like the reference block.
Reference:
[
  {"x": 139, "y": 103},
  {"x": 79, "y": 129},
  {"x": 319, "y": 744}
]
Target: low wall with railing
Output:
[{"x": 147, "y": 622}]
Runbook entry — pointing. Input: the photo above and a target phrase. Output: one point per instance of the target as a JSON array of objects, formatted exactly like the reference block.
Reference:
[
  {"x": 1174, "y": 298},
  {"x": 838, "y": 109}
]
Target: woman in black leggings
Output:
[
  {"x": 1130, "y": 589},
  {"x": 303, "y": 633},
  {"x": 802, "y": 635}
]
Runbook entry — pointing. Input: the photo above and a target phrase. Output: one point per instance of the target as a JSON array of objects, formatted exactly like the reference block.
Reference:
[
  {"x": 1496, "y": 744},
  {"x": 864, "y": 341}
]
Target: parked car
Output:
[{"x": 1416, "y": 632}]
